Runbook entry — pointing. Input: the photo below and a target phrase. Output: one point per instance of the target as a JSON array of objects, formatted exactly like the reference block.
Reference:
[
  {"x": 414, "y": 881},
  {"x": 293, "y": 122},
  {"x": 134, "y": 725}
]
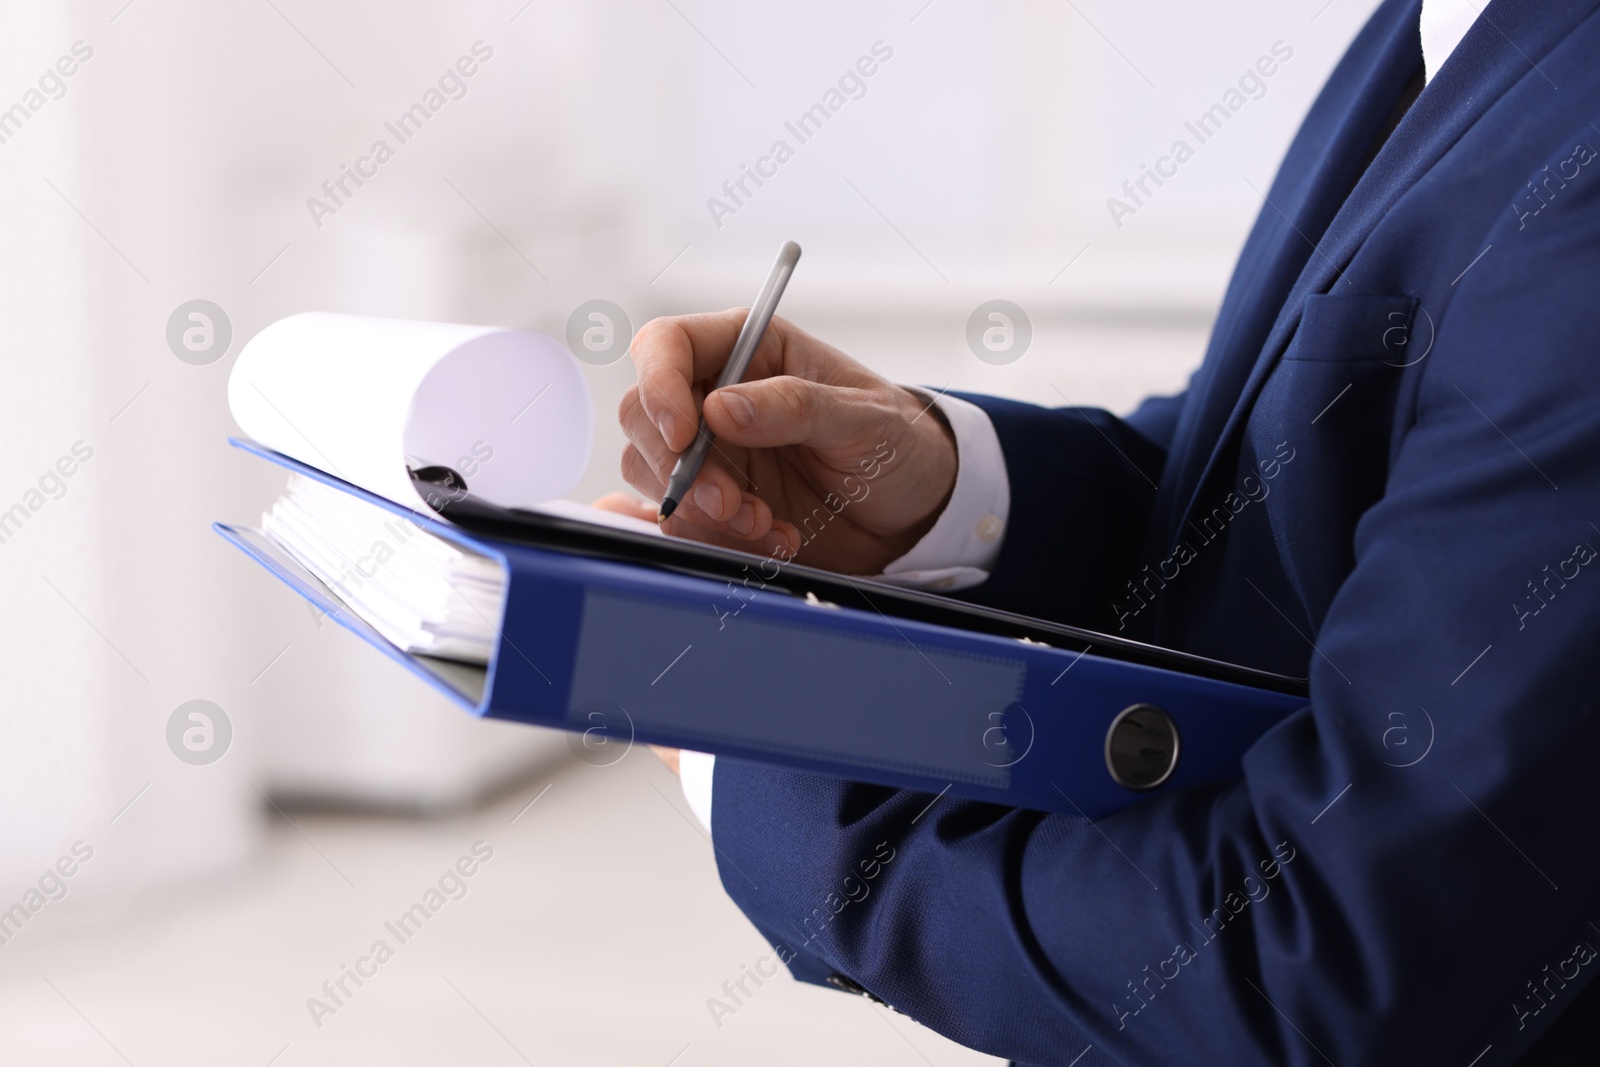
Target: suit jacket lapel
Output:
[
  {"x": 1502, "y": 48},
  {"x": 1322, "y": 163}
]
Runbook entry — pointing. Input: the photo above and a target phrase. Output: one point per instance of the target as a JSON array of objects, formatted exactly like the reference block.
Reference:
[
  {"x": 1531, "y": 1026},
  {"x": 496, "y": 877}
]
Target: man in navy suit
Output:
[{"x": 1385, "y": 476}]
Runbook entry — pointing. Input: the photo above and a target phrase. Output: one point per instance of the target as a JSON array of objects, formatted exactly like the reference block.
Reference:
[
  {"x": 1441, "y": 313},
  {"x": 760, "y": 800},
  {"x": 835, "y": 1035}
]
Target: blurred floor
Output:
[{"x": 594, "y": 935}]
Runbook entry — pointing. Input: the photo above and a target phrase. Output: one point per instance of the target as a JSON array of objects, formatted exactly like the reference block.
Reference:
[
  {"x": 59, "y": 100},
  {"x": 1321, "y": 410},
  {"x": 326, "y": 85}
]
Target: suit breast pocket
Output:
[
  {"x": 1336, "y": 398},
  {"x": 1377, "y": 328},
  {"x": 1346, "y": 368}
]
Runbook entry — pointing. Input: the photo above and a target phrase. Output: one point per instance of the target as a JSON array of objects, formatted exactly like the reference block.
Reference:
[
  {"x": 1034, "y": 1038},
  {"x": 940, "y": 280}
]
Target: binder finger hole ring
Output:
[{"x": 1142, "y": 747}]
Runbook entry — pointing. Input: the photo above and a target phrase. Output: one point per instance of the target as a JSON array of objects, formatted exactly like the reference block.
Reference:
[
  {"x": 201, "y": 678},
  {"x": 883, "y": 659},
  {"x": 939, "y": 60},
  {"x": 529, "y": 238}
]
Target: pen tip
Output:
[{"x": 668, "y": 506}]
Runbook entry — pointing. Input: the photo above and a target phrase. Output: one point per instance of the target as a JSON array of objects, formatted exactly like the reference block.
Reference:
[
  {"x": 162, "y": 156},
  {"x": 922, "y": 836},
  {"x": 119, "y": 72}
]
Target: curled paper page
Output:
[{"x": 365, "y": 398}]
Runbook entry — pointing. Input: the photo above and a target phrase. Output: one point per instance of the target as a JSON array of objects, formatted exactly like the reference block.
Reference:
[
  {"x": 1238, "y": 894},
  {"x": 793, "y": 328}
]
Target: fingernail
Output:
[
  {"x": 740, "y": 410},
  {"x": 744, "y": 520},
  {"x": 708, "y": 498},
  {"x": 776, "y": 544},
  {"x": 668, "y": 425}
]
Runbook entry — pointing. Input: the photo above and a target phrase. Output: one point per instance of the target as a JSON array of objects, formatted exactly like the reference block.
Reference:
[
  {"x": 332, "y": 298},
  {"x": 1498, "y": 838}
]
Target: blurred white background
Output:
[{"x": 176, "y": 163}]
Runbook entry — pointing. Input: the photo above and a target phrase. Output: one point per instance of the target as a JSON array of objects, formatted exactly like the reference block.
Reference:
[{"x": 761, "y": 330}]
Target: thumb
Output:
[{"x": 786, "y": 410}]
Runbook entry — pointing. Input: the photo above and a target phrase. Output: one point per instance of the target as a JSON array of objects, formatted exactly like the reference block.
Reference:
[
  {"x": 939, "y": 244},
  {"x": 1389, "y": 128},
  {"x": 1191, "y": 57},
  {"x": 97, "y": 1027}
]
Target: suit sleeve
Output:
[
  {"x": 1394, "y": 879},
  {"x": 1082, "y": 485}
]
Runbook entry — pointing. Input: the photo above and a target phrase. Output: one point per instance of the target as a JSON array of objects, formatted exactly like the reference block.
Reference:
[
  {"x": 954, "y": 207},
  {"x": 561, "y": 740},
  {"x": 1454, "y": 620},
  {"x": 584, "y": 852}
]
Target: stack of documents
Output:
[{"x": 422, "y": 593}]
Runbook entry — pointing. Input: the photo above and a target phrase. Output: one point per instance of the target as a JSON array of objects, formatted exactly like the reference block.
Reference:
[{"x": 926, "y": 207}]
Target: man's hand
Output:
[{"x": 809, "y": 435}]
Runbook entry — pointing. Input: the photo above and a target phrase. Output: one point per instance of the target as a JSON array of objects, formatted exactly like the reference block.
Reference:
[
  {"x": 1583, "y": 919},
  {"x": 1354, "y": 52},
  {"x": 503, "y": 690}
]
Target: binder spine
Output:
[{"x": 645, "y": 656}]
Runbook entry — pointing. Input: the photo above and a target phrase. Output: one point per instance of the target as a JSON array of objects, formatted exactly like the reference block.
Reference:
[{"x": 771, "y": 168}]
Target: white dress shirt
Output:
[
  {"x": 965, "y": 540},
  {"x": 1444, "y": 23}
]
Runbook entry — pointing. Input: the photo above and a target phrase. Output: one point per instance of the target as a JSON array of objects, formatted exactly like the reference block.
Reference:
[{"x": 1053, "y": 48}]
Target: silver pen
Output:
[{"x": 687, "y": 468}]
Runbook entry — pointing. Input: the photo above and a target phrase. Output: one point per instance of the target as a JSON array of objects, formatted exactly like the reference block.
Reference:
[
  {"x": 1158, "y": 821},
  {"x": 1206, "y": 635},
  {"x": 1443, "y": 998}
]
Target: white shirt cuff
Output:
[
  {"x": 694, "y": 772},
  {"x": 961, "y": 549}
]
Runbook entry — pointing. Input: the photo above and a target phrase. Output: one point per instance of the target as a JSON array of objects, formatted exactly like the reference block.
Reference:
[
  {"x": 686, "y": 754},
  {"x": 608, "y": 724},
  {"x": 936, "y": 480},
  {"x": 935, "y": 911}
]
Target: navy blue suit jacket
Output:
[{"x": 1385, "y": 476}]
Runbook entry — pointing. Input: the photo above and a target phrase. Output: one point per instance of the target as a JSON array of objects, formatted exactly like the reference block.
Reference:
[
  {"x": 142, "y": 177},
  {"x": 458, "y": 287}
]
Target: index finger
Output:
[{"x": 671, "y": 354}]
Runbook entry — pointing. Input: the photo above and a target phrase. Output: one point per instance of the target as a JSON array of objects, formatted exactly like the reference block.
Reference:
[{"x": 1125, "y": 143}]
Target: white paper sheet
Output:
[
  {"x": 362, "y": 397},
  {"x": 569, "y": 509}
]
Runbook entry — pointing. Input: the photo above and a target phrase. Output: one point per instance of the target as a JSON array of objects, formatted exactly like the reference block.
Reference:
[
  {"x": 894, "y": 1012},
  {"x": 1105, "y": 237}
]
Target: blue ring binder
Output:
[{"x": 827, "y": 687}]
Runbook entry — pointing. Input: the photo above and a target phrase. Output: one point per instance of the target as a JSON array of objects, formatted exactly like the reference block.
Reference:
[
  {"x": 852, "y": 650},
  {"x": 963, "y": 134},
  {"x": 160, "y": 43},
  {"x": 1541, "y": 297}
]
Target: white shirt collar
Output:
[{"x": 1444, "y": 23}]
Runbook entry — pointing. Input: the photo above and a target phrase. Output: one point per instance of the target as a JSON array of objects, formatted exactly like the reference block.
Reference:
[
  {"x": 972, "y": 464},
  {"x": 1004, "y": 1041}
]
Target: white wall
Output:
[{"x": 578, "y": 165}]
